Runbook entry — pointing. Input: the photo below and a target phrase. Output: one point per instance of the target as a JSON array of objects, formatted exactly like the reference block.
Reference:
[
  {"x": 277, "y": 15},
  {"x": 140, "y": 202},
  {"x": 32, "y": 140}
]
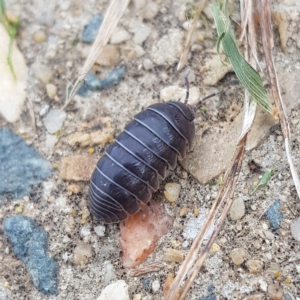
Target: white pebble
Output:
[
  {"x": 237, "y": 210},
  {"x": 295, "y": 229},
  {"x": 139, "y": 51},
  {"x": 51, "y": 90},
  {"x": 109, "y": 273},
  {"x": 263, "y": 285},
  {"x": 155, "y": 286},
  {"x": 85, "y": 231},
  {"x": 116, "y": 291},
  {"x": 44, "y": 110},
  {"x": 66, "y": 239},
  {"x": 100, "y": 230},
  {"x": 54, "y": 120},
  {"x": 185, "y": 244},
  {"x": 147, "y": 64},
  {"x": 50, "y": 141},
  {"x": 141, "y": 33},
  {"x": 269, "y": 235},
  {"x": 150, "y": 11},
  {"x": 120, "y": 35}
]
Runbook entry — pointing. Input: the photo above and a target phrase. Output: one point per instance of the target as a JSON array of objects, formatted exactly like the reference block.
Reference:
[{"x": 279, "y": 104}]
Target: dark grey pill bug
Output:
[{"x": 134, "y": 165}]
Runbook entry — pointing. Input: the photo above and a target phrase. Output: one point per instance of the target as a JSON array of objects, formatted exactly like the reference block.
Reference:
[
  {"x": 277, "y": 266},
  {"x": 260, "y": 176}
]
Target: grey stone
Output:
[
  {"x": 19, "y": 176},
  {"x": 30, "y": 246}
]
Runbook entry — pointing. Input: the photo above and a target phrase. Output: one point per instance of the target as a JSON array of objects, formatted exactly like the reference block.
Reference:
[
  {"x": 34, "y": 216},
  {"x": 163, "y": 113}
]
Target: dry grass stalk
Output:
[
  {"x": 267, "y": 42},
  {"x": 222, "y": 204},
  {"x": 111, "y": 19},
  {"x": 147, "y": 268},
  {"x": 193, "y": 23},
  {"x": 31, "y": 113}
]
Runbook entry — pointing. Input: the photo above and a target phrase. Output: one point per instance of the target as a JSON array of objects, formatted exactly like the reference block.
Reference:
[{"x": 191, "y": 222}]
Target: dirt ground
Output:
[{"x": 63, "y": 53}]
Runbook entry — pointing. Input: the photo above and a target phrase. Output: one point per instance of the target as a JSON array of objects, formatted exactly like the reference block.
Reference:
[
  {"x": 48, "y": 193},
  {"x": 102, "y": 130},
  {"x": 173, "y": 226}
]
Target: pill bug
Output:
[{"x": 134, "y": 165}]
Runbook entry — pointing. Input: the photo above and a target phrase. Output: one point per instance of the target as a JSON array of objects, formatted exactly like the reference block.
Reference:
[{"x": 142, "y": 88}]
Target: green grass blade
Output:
[
  {"x": 248, "y": 77},
  {"x": 263, "y": 181},
  {"x": 12, "y": 29}
]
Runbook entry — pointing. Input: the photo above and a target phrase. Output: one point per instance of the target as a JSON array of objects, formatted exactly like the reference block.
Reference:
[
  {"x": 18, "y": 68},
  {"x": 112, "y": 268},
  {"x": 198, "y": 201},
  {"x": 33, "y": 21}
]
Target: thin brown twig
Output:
[{"x": 267, "y": 42}]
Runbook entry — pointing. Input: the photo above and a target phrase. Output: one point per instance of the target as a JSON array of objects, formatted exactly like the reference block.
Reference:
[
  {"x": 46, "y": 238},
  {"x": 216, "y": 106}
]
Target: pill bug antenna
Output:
[
  {"x": 197, "y": 106},
  {"x": 187, "y": 85}
]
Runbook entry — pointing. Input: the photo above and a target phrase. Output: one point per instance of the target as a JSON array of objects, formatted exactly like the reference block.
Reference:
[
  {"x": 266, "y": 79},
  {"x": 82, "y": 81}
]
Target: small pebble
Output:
[
  {"x": 268, "y": 255},
  {"x": 185, "y": 244},
  {"x": 51, "y": 90},
  {"x": 183, "y": 212},
  {"x": 155, "y": 286},
  {"x": 269, "y": 235},
  {"x": 106, "y": 250},
  {"x": 150, "y": 11},
  {"x": 85, "y": 231},
  {"x": 90, "y": 30},
  {"x": 287, "y": 297},
  {"x": 42, "y": 72},
  {"x": 172, "y": 191},
  {"x": 77, "y": 168},
  {"x": 54, "y": 120},
  {"x": 115, "y": 291},
  {"x": 82, "y": 254},
  {"x": 238, "y": 256},
  {"x": 263, "y": 285},
  {"x": 74, "y": 188},
  {"x": 66, "y": 239},
  {"x": 109, "y": 273},
  {"x": 141, "y": 33},
  {"x": 254, "y": 266},
  {"x": 44, "y": 110},
  {"x": 39, "y": 36},
  {"x": 172, "y": 255},
  {"x": 131, "y": 54},
  {"x": 119, "y": 36},
  {"x": 147, "y": 64},
  {"x": 275, "y": 291},
  {"x": 295, "y": 229},
  {"x": 100, "y": 230},
  {"x": 215, "y": 247},
  {"x": 69, "y": 224},
  {"x": 237, "y": 210},
  {"x": 137, "y": 297},
  {"x": 196, "y": 212},
  {"x": 50, "y": 141},
  {"x": 275, "y": 215},
  {"x": 146, "y": 282}
]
